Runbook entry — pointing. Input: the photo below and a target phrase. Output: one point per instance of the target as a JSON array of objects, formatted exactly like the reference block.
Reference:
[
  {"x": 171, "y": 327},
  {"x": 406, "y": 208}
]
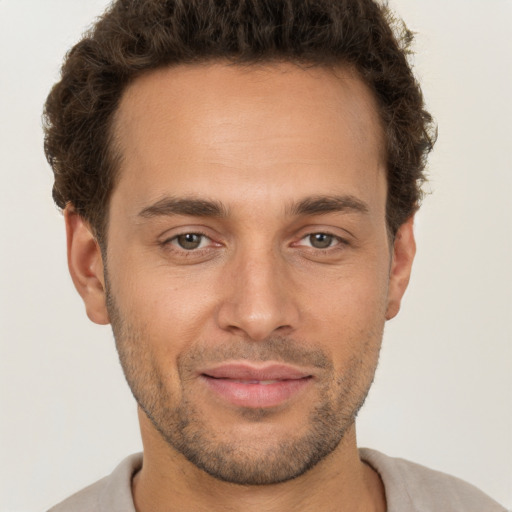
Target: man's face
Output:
[{"x": 248, "y": 261}]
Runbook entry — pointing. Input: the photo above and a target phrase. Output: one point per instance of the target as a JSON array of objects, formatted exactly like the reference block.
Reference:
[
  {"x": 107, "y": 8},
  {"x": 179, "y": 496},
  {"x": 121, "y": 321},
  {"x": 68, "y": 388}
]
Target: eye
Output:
[
  {"x": 320, "y": 241},
  {"x": 190, "y": 241}
]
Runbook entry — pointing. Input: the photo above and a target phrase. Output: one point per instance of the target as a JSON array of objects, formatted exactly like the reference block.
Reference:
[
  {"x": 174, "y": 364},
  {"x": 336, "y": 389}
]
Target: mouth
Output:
[{"x": 247, "y": 385}]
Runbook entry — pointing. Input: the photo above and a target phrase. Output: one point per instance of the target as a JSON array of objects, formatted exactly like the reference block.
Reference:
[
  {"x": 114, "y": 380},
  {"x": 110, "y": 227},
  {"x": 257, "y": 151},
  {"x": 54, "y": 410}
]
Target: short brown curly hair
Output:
[{"x": 135, "y": 36}]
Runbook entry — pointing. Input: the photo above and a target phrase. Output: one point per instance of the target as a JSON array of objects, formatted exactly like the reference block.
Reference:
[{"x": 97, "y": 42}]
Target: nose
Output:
[{"x": 260, "y": 299}]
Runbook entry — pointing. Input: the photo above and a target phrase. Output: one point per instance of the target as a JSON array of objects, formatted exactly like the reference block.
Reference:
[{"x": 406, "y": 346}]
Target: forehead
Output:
[{"x": 196, "y": 129}]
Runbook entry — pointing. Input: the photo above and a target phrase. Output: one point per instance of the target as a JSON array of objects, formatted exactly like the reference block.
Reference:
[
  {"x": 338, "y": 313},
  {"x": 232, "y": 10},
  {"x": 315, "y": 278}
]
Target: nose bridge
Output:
[{"x": 260, "y": 299}]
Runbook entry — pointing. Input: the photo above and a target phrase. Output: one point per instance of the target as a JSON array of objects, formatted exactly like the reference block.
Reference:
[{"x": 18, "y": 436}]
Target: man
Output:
[{"x": 239, "y": 182}]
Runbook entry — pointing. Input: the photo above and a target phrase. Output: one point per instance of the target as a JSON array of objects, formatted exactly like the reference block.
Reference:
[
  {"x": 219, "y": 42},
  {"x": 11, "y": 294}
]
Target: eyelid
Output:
[
  {"x": 340, "y": 240},
  {"x": 338, "y": 232},
  {"x": 192, "y": 229}
]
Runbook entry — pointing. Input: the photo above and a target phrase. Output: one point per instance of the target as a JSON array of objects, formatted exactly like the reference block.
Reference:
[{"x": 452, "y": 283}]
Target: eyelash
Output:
[
  {"x": 334, "y": 238},
  {"x": 169, "y": 242}
]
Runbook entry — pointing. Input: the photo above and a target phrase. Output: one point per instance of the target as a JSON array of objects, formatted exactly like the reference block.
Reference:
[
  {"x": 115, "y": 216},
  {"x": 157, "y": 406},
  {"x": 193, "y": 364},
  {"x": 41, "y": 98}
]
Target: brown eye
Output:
[
  {"x": 189, "y": 241},
  {"x": 321, "y": 240}
]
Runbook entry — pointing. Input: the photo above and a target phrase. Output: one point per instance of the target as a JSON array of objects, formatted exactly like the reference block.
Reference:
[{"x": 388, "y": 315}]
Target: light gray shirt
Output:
[{"x": 409, "y": 488}]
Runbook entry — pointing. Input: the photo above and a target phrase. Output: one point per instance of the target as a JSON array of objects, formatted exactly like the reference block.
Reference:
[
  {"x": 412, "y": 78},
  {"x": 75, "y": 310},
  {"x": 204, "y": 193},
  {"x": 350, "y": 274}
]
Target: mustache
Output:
[{"x": 280, "y": 349}]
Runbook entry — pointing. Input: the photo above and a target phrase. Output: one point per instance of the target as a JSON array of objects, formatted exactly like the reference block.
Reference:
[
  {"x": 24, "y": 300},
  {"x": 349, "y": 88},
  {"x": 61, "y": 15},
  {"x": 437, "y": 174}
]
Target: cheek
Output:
[
  {"x": 176, "y": 307},
  {"x": 171, "y": 308},
  {"x": 349, "y": 315},
  {"x": 353, "y": 294}
]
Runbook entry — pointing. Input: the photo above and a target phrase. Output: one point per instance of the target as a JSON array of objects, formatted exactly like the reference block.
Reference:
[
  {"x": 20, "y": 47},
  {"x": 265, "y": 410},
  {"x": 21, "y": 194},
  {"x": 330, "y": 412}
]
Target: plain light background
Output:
[{"x": 443, "y": 391}]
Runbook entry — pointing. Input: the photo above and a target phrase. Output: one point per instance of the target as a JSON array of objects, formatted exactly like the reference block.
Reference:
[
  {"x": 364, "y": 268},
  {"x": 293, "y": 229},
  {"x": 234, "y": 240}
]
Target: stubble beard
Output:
[{"x": 244, "y": 461}]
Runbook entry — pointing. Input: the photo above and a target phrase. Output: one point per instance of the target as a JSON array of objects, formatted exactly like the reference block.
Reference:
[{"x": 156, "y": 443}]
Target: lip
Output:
[{"x": 256, "y": 386}]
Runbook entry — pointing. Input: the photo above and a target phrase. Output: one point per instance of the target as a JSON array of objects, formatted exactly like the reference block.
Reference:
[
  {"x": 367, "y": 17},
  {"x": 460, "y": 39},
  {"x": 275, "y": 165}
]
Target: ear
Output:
[
  {"x": 404, "y": 249},
  {"x": 85, "y": 265}
]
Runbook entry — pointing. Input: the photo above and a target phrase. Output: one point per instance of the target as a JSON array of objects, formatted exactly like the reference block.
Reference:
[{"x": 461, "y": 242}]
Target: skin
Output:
[{"x": 260, "y": 142}]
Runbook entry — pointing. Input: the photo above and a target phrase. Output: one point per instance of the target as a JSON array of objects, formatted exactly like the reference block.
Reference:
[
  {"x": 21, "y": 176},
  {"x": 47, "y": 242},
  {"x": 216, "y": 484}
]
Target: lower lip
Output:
[{"x": 257, "y": 395}]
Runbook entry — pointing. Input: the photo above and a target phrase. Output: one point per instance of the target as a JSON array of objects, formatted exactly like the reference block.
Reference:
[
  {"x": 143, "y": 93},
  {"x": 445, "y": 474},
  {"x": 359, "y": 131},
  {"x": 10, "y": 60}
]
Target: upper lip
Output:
[{"x": 245, "y": 371}]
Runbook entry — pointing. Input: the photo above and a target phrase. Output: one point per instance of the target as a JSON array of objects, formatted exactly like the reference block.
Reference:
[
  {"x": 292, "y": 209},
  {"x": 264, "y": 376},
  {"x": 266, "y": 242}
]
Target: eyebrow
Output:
[
  {"x": 316, "y": 205},
  {"x": 184, "y": 206},
  {"x": 313, "y": 205}
]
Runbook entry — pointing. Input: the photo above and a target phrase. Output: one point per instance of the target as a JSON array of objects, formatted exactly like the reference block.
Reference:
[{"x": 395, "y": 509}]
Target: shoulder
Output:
[
  {"x": 86, "y": 499},
  {"x": 112, "y": 493},
  {"x": 412, "y": 487}
]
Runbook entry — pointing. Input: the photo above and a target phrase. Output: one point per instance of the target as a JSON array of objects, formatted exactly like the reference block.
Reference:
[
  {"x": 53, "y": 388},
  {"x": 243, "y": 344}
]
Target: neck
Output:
[{"x": 167, "y": 481}]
